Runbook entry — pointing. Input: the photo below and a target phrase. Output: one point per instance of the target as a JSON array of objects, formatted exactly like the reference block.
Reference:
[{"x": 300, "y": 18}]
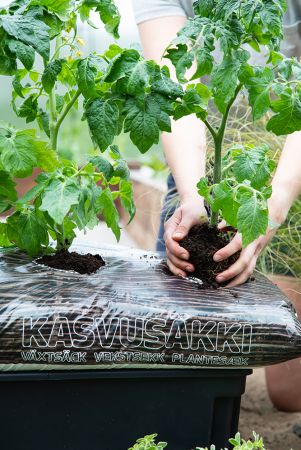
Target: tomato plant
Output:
[
  {"x": 118, "y": 91},
  {"x": 240, "y": 188}
]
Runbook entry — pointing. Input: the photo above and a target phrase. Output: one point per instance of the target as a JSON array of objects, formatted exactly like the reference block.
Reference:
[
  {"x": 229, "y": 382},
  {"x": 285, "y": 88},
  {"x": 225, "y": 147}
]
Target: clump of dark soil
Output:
[
  {"x": 201, "y": 243},
  {"x": 64, "y": 260}
]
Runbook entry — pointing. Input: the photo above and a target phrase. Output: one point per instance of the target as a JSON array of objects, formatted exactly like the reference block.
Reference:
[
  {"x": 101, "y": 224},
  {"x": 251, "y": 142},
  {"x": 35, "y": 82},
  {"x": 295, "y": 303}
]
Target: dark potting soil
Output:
[
  {"x": 64, "y": 260},
  {"x": 201, "y": 243}
]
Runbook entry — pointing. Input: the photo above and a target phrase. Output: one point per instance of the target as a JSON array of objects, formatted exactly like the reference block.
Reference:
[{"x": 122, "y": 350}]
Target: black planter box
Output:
[{"x": 109, "y": 410}]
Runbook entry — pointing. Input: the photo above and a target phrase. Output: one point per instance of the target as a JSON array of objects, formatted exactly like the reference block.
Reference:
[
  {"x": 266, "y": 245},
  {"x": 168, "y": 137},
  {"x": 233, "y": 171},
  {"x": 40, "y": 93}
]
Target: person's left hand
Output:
[{"x": 243, "y": 268}]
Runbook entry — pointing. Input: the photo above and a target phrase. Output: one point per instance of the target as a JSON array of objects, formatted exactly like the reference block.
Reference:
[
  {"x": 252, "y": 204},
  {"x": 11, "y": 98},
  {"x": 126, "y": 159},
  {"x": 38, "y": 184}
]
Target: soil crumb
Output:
[
  {"x": 201, "y": 243},
  {"x": 64, "y": 260}
]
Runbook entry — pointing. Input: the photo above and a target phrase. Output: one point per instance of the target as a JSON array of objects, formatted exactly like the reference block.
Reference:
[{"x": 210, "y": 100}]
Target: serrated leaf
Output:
[
  {"x": 288, "y": 114},
  {"x": 50, "y": 74},
  {"x": 141, "y": 122},
  {"x": 29, "y": 30},
  {"x": 121, "y": 170},
  {"x": 182, "y": 59},
  {"x": 224, "y": 201},
  {"x": 225, "y": 78},
  {"x": 23, "y": 52},
  {"x": 18, "y": 154},
  {"x": 29, "y": 108},
  {"x": 28, "y": 231},
  {"x": 167, "y": 87},
  {"x": 60, "y": 7},
  {"x": 203, "y": 190},
  {"x": 110, "y": 16},
  {"x": 58, "y": 198},
  {"x": 8, "y": 64},
  {"x": 45, "y": 156},
  {"x": 127, "y": 197},
  {"x": 87, "y": 71},
  {"x": 122, "y": 65},
  {"x": 259, "y": 85},
  {"x": 4, "y": 241},
  {"x": 8, "y": 193},
  {"x": 103, "y": 165},
  {"x": 204, "y": 61},
  {"x": 103, "y": 119},
  {"x": 109, "y": 211},
  {"x": 195, "y": 100},
  {"x": 252, "y": 218}
]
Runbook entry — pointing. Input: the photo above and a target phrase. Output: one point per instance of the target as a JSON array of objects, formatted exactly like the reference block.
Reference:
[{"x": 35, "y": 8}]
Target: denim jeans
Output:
[{"x": 169, "y": 206}]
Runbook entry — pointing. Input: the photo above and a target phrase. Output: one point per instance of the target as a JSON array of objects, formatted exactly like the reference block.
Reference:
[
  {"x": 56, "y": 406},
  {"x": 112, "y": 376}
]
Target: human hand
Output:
[
  {"x": 191, "y": 212},
  {"x": 243, "y": 268}
]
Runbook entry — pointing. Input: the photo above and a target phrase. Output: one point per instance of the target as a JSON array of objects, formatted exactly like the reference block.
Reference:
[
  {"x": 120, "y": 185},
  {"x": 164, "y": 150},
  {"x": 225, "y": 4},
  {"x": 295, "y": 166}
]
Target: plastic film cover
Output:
[{"x": 132, "y": 314}]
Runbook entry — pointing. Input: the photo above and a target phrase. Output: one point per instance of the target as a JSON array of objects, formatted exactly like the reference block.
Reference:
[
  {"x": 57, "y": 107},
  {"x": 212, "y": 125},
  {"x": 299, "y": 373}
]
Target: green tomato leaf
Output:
[
  {"x": 103, "y": 165},
  {"x": 103, "y": 120},
  {"x": 165, "y": 86},
  {"x": 259, "y": 83},
  {"x": 121, "y": 170},
  {"x": 8, "y": 193},
  {"x": 252, "y": 218},
  {"x": 23, "y": 52},
  {"x": 29, "y": 30},
  {"x": 110, "y": 16},
  {"x": 127, "y": 197},
  {"x": 58, "y": 198},
  {"x": 225, "y": 78},
  {"x": 29, "y": 108},
  {"x": 109, "y": 211},
  {"x": 204, "y": 61},
  {"x": 4, "y": 241},
  {"x": 182, "y": 59},
  {"x": 141, "y": 122},
  {"x": 224, "y": 201},
  {"x": 87, "y": 71},
  {"x": 288, "y": 114},
  {"x": 61, "y": 7},
  {"x": 203, "y": 190},
  {"x": 8, "y": 64},
  {"x": 122, "y": 65},
  {"x": 28, "y": 231},
  {"x": 50, "y": 74},
  {"x": 18, "y": 154},
  {"x": 195, "y": 100}
]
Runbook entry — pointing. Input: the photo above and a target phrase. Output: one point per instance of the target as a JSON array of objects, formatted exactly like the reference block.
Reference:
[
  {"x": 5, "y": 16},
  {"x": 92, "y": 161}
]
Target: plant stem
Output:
[
  {"x": 65, "y": 111},
  {"x": 218, "y": 138},
  {"x": 52, "y": 105}
]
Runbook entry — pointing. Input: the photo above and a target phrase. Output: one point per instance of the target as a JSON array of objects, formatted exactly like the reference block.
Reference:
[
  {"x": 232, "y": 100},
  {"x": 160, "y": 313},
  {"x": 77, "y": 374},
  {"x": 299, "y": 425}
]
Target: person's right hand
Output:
[{"x": 191, "y": 212}]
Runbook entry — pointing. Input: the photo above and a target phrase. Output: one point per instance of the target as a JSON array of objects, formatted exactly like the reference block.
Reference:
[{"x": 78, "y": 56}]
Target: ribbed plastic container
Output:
[{"x": 109, "y": 410}]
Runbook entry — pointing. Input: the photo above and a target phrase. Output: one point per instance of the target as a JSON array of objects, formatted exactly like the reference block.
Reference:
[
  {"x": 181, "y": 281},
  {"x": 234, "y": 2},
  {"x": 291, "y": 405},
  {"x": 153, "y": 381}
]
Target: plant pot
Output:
[{"x": 109, "y": 410}]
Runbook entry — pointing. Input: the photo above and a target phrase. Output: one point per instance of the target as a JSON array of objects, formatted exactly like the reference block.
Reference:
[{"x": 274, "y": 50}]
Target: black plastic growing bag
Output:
[{"x": 133, "y": 314}]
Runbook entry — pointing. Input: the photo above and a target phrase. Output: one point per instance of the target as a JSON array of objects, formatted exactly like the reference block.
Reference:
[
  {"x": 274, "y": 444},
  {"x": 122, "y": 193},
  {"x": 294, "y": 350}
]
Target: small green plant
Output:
[
  {"x": 241, "y": 444},
  {"x": 238, "y": 191},
  {"x": 148, "y": 443},
  {"x": 118, "y": 90}
]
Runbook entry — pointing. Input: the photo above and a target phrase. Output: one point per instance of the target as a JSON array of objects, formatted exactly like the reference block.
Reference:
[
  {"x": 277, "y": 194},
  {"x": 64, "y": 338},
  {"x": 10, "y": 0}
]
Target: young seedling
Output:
[
  {"x": 240, "y": 187},
  {"x": 118, "y": 91},
  {"x": 148, "y": 443}
]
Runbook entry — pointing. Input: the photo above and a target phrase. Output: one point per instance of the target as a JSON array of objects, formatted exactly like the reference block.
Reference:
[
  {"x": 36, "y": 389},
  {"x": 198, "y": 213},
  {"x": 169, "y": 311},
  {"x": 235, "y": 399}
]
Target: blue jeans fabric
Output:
[{"x": 169, "y": 206}]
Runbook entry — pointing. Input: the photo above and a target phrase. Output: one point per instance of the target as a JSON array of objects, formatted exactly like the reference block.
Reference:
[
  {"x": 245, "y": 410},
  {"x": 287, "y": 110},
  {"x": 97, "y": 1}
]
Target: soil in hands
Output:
[
  {"x": 201, "y": 243},
  {"x": 64, "y": 260}
]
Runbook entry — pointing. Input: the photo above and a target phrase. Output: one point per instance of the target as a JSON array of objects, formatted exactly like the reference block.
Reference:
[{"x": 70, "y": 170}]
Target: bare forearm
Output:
[
  {"x": 185, "y": 146},
  {"x": 185, "y": 150},
  {"x": 287, "y": 180}
]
